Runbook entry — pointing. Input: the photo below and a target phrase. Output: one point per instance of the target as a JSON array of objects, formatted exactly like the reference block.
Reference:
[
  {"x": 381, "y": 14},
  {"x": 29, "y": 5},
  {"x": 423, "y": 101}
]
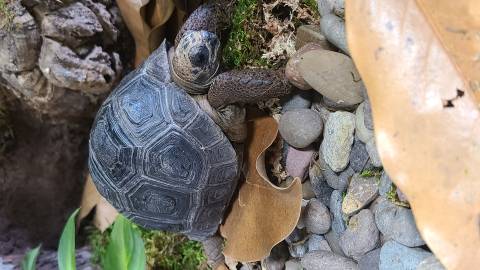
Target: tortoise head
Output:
[{"x": 196, "y": 60}]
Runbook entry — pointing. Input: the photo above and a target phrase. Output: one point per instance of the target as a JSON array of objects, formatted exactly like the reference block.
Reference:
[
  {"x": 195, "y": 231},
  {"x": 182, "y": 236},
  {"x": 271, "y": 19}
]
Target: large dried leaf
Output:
[
  {"x": 263, "y": 214},
  {"x": 145, "y": 19},
  {"x": 105, "y": 214},
  {"x": 420, "y": 63}
]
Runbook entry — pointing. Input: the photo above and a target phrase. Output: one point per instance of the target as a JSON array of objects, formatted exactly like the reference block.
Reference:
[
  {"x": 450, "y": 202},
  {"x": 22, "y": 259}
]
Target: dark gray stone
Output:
[
  {"x": 358, "y": 156},
  {"x": 370, "y": 260},
  {"x": 325, "y": 260},
  {"x": 297, "y": 250},
  {"x": 317, "y": 242},
  {"x": 395, "y": 256},
  {"x": 299, "y": 99},
  {"x": 320, "y": 187},
  {"x": 277, "y": 258},
  {"x": 296, "y": 236},
  {"x": 397, "y": 223},
  {"x": 300, "y": 127},
  {"x": 361, "y": 235},
  {"x": 338, "y": 219}
]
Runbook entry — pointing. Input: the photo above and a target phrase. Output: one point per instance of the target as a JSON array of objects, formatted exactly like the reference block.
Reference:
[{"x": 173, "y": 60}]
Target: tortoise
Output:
[{"x": 156, "y": 155}]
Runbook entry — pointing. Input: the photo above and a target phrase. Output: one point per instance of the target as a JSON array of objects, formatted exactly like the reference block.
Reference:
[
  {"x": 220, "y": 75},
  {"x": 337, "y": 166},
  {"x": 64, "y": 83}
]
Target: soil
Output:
[{"x": 40, "y": 188}]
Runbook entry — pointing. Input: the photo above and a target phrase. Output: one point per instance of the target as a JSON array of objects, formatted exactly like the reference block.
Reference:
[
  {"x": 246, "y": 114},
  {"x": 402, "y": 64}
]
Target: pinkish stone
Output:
[{"x": 298, "y": 161}]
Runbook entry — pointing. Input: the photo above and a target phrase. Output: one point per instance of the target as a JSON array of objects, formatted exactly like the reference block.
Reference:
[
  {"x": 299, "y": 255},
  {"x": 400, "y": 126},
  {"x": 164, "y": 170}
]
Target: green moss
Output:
[
  {"x": 164, "y": 250},
  {"x": 98, "y": 242},
  {"x": 241, "y": 48},
  {"x": 392, "y": 194},
  {"x": 172, "y": 251},
  {"x": 312, "y": 4},
  {"x": 6, "y": 15},
  {"x": 371, "y": 173}
]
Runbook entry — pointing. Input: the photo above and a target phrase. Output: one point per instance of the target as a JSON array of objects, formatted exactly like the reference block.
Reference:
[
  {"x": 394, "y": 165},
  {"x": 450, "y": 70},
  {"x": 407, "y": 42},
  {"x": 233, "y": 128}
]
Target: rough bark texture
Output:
[{"x": 58, "y": 61}]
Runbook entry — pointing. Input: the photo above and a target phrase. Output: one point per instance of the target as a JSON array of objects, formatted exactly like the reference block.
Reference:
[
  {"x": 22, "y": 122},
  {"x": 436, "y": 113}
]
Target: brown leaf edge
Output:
[
  {"x": 427, "y": 122},
  {"x": 263, "y": 214}
]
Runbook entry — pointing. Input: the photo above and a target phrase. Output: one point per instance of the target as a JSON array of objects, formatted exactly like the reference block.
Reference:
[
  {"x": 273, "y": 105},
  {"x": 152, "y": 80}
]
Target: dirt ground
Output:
[{"x": 38, "y": 189}]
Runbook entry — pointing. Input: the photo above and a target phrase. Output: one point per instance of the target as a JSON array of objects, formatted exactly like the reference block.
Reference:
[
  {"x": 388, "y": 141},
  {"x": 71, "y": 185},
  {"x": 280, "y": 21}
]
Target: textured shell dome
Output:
[
  {"x": 158, "y": 158},
  {"x": 196, "y": 60}
]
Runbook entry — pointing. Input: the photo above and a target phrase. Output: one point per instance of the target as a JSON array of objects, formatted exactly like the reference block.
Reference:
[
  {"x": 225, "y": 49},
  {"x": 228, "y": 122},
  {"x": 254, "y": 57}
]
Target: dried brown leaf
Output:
[
  {"x": 419, "y": 61},
  {"x": 105, "y": 214},
  {"x": 262, "y": 215},
  {"x": 145, "y": 19}
]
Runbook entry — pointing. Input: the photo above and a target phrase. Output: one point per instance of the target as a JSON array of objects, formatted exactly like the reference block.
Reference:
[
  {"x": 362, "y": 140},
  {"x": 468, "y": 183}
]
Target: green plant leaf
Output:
[
  {"x": 66, "y": 247},
  {"x": 30, "y": 259},
  {"x": 126, "y": 250}
]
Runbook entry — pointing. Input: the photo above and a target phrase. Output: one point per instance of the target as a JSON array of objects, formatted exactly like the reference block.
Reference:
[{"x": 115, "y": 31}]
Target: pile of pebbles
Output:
[{"x": 353, "y": 216}]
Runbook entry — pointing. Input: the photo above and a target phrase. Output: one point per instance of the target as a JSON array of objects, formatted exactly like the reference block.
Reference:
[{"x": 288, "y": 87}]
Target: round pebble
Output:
[
  {"x": 397, "y": 223},
  {"x": 300, "y": 127},
  {"x": 361, "y": 235},
  {"x": 317, "y": 217},
  {"x": 333, "y": 75}
]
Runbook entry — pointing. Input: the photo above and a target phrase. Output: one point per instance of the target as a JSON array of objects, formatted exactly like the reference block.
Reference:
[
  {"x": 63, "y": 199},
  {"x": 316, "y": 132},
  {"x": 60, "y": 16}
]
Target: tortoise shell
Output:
[{"x": 158, "y": 158}]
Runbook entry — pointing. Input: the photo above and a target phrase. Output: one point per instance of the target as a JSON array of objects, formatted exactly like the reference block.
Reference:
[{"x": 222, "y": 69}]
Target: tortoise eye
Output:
[{"x": 199, "y": 56}]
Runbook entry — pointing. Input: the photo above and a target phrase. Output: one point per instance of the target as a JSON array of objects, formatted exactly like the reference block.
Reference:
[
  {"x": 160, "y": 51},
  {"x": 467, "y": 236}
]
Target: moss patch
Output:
[
  {"x": 164, "y": 250},
  {"x": 172, "y": 251},
  {"x": 371, "y": 173},
  {"x": 6, "y": 15},
  {"x": 241, "y": 48},
  {"x": 255, "y": 42}
]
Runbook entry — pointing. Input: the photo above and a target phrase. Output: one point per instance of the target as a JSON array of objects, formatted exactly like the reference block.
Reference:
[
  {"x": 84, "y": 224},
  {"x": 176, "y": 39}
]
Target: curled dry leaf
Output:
[
  {"x": 262, "y": 215},
  {"x": 145, "y": 19},
  {"x": 419, "y": 61},
  {"x": 105, "y": 214}
]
